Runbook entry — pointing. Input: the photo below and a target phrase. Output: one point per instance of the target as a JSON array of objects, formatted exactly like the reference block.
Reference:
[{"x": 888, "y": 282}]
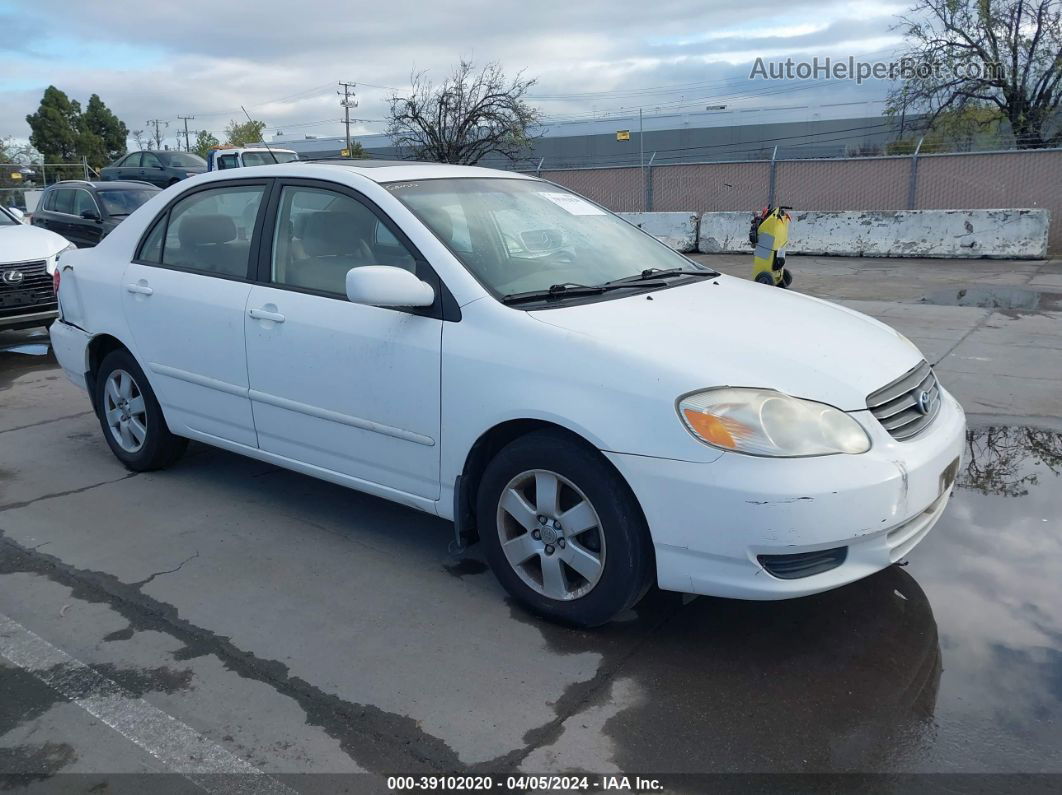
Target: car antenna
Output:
[{"x": 266, "y": 145}]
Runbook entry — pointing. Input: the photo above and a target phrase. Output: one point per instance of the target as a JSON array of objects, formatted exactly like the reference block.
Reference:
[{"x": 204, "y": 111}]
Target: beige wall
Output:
[{"x": 958, "y": 182}]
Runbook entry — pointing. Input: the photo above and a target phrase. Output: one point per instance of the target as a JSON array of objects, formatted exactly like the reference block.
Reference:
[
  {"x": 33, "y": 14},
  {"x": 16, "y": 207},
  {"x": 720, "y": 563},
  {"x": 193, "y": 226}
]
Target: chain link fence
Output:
[
  {"x": 960, "y": 181},
  {"x": 37, "y": 176}
]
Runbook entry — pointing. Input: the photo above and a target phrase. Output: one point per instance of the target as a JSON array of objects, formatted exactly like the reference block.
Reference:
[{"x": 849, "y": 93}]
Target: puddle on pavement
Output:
[
  {"x": 23, "y": 352},
  {"x": 995, "y": 297},
  {"x": 952, "y": 663}
]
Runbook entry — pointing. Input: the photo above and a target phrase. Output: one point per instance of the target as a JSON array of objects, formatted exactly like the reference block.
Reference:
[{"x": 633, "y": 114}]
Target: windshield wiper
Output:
[
  {"x": 650, "y": 274},
  {"x": 570, "y": 290}
]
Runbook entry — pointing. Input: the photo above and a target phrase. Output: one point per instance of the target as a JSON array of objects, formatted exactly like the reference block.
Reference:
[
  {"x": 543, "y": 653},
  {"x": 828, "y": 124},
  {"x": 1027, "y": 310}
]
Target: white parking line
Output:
[{"x": 175, "y": 744}]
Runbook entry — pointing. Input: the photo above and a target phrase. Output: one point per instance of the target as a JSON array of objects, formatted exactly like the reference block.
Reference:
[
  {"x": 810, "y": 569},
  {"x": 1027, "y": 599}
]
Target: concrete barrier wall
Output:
[
  {"x": 1004, "y": 234},
  {"x": 678, "y": 230}
]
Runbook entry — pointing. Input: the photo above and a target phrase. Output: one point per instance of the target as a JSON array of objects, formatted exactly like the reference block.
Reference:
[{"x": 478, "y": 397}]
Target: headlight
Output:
[{"x": 769, "y": 423}]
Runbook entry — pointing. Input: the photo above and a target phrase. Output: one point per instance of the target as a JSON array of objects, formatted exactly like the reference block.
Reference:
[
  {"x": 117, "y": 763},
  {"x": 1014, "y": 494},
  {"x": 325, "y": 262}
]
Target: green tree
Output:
[
  {"x": 204, "y": 141},
  {"x": 955, "y": 131},
  {"x": 103, "y": 135},
  {"x": 357, "y": 151},
  {"x": 55, "y": 127},
  {"x": 250, "y": 132}
]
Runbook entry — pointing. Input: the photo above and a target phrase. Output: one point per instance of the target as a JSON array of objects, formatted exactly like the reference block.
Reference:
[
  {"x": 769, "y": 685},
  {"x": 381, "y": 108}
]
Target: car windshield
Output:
[
  {"x": 182, "y": 159},
  {"x": 267, "y": 158},
  {"x": 124, "y": 201},
  {"x": 6, "y": 219},
  {"x": 519, "y": 235}
]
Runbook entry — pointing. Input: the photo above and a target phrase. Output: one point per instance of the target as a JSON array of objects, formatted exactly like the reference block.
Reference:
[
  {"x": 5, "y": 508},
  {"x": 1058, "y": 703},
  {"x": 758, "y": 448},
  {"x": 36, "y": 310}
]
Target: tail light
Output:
[{"x": 55, "y": 280}]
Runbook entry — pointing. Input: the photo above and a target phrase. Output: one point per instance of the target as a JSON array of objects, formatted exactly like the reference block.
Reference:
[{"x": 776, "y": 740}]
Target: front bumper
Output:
[
  {"x": 29, "y": 319},
  {"x": 711, "y": 522}
]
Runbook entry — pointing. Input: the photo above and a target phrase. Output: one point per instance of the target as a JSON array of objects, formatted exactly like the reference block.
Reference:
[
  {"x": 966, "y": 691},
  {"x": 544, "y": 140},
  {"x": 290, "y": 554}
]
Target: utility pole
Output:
[
  {"x": 186, "y": 119},
  {"x": 641, "y": 142},
  {"x": 158, "y": 124},
  {"x": 349, "y": 101}
]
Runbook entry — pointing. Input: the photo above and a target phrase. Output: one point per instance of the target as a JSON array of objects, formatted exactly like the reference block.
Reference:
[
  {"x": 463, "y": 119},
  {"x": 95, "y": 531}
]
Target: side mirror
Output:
[
  {"x": 90, "y": 215},
  {"x": 21, "y": 216},
  {"x": 384, "y": 285}
]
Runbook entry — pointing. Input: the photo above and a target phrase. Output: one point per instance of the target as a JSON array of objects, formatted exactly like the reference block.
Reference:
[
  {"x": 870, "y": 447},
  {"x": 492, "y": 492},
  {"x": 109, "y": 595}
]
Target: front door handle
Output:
[
  {"x": 265, "y": 314},
  {"x": 139, "y": 289}
]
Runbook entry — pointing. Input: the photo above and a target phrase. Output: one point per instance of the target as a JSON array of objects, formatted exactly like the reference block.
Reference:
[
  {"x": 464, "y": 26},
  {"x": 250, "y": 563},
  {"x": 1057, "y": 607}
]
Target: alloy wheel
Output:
[
  {"x": 551, "y": 535},
  {"x": 125, "y": 411}
]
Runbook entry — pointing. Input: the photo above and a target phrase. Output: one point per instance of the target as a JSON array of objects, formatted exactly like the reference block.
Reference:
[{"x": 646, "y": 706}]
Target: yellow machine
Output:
[{"x": 769, "y": 235}]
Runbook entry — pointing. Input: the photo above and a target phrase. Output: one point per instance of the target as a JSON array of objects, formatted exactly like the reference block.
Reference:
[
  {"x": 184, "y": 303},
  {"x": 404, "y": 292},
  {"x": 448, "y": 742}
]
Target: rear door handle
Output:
[
  {"x": 265, "y": 314},
  {"x": 141, "y": 289}
]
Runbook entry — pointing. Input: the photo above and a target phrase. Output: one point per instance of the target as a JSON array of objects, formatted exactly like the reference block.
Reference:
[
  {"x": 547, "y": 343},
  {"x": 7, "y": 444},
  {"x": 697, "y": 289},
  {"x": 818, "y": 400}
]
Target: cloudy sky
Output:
[{"x": 282, "y": 59}]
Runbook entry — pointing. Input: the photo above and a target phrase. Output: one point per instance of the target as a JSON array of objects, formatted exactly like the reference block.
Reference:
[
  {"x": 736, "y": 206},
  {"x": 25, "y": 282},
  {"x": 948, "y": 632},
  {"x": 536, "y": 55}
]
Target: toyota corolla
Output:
[{"x": 600, "y": 412}]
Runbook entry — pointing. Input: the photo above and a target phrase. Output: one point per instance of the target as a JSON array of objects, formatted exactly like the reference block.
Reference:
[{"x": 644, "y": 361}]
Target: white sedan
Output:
[
  {"x": 27, "y": 265},
  {"x": 599, "y": 411}
]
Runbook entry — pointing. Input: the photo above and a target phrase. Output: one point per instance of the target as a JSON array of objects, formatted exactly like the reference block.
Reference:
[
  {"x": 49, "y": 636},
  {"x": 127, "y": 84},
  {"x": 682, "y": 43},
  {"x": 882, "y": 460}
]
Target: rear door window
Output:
[
  {"x": 64, "y": 201},
  {"x": 210, "y": 231}
]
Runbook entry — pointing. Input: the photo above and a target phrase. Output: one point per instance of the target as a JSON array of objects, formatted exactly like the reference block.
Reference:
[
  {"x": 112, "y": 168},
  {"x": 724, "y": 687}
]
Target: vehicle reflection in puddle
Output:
[
  {"x": 23, "y": 352},
  {"x": 33, "y": 343},
  {"x": 952, "y": 663}
]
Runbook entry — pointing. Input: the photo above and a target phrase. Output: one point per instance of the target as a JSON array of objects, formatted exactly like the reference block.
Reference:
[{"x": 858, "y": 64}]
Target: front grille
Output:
[
  {"x": 898, "y": 406},
  {"x": 33, "y": 291},
  {"x": 803, "y": 564}
]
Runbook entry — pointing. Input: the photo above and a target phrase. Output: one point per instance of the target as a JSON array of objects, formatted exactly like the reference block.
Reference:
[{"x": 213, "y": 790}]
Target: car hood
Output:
[
  {"x": 732, "y": 332},
  {"x": 24, "y": 243}
]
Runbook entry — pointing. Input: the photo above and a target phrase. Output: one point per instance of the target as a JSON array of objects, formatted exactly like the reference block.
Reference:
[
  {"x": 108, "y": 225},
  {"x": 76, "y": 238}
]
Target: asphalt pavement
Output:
[{"x": 236, "y": 622}]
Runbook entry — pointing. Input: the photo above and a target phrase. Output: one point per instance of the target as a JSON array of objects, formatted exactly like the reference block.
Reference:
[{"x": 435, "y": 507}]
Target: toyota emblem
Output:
[
  {"x": 13, "y": 277},
  {"x": 923, "y": 402}
]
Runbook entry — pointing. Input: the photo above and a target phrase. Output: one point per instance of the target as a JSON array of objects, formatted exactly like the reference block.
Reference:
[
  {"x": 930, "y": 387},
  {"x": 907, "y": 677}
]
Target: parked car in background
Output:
[
  {"x": 493, "y": 349},
  {"x": 225, "y": 157},
  {"x": 86, "y": 212},
  {"x": 162, "y": 168},
  {"x": 28, "y": 257}
]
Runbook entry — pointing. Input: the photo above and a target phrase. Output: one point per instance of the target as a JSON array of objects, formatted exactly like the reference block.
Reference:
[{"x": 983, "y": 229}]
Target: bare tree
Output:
[
  {"x": 969, "y": 54},
  {"x": 470, "y": 115},
  {"x": 141, "y": 141}
]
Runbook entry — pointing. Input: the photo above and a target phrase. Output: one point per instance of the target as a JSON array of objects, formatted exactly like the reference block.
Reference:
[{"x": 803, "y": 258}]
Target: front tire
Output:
[
  {"x": 562, "y": 531},
  {"x": 131, "y": 418}
]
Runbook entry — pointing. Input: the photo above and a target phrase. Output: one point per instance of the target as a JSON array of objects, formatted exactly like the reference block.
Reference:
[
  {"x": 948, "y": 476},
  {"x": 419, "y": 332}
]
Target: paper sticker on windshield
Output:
[{"x": 573, "y": 204}]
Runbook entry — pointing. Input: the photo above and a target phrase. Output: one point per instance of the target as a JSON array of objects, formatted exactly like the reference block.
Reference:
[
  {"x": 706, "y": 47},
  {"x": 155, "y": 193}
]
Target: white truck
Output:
[{"x": 224, "y": 157}]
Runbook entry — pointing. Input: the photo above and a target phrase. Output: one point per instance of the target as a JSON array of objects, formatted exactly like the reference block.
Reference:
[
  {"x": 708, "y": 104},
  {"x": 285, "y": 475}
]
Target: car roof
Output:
[
  {"x": 121, "y": 184},
  {"x": 400, "y": 170},
  {"x": 129, "y": 184}
]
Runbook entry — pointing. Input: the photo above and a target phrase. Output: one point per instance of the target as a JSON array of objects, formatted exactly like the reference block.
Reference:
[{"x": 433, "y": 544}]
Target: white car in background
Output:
[
  {"x": 601, "y": 412},
  {"x": 27, "y": 264}
]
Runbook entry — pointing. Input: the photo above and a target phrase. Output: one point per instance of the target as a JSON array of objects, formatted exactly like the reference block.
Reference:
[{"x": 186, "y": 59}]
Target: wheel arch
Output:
[
  {"x": 489, "y": 443},
  {"x": 98, "y": 348}
]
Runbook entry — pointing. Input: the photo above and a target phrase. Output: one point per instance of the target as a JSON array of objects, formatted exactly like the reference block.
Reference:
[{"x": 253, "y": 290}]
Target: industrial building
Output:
[{"x": 630, "y": 138}]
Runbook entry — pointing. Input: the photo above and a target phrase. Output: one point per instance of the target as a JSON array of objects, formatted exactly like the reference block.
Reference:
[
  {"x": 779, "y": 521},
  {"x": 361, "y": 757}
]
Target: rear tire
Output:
[
  {"x": 131, "y": 418},
  {"x": 765, "y": 278},
  {"x": 562, "y": 531}
]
